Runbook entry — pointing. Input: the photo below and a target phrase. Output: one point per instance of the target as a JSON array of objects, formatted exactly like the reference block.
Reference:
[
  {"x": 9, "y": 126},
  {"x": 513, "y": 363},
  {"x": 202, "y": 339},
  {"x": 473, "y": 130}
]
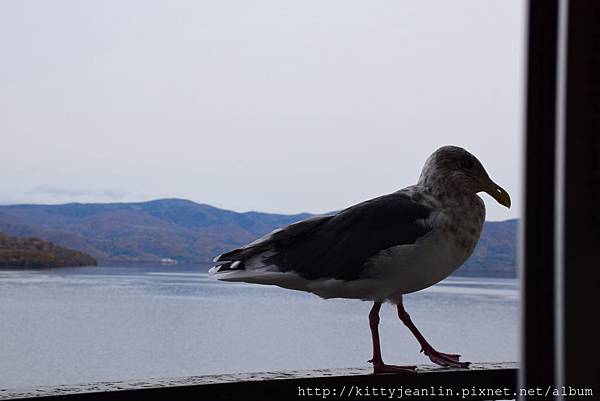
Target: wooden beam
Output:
[
  {"x": 537, "y": 244},
  {"x": 581, "y": 235},
  {"x": 496, "y": 380}
]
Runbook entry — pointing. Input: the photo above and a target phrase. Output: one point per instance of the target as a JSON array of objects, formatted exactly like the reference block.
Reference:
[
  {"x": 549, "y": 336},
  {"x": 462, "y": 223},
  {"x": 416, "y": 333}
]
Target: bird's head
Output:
[{"x": 452, "y": 168}]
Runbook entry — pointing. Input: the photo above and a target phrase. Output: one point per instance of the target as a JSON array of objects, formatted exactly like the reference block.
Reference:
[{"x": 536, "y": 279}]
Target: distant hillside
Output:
[
  {"x": 34, "y": 252},
  {"x": 190, "y": 232},
  {"x": 147, "y": 231}
]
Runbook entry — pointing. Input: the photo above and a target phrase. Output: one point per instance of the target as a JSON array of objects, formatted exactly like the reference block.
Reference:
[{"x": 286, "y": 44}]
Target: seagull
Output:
[{"x": 380, "y": 249}]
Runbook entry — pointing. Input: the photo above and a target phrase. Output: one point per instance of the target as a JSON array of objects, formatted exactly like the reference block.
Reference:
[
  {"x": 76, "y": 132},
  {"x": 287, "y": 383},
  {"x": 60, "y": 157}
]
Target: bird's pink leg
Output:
[
  {"x": 377, "y": 361},
  {"x": 436, "y": 357}
]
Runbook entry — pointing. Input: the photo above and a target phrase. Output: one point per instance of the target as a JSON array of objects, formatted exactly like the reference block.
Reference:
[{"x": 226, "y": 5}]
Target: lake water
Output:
[{"x": 78, "y": 325}]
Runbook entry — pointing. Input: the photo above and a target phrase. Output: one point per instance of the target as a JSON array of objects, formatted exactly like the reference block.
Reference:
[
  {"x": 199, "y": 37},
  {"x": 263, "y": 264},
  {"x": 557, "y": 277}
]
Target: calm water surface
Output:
[{"x": 77, "y": 325}]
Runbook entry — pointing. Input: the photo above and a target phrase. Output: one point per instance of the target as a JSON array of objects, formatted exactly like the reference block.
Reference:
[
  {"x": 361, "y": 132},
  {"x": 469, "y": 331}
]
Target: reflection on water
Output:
[{"x": 77, "y": 325}]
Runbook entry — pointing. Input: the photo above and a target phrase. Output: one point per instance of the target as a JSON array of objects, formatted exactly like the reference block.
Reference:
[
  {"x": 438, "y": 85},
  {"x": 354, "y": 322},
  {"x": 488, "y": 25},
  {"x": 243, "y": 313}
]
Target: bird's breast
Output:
[
  {"x": 452, "y": 239},
  {"x": 461, "y": 224}
]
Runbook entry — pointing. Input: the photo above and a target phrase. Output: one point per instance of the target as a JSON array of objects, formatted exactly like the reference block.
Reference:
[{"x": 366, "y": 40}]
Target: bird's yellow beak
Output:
[{"x": 498, "y": 193}]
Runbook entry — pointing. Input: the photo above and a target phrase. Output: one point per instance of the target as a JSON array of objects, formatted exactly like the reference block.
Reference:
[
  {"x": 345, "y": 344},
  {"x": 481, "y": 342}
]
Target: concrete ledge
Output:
[{"x": 349, "y": 384}]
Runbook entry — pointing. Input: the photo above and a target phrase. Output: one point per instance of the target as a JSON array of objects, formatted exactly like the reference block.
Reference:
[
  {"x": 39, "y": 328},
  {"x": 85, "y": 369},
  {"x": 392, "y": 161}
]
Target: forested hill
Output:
[
  {"x": 145, "y": 231},
  {"x": 33, "y": 252},
  {"x": 190, "y": 232}
]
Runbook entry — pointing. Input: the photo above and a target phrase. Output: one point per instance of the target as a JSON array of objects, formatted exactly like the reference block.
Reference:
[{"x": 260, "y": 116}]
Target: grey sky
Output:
[{"x": 279, "y": 106}]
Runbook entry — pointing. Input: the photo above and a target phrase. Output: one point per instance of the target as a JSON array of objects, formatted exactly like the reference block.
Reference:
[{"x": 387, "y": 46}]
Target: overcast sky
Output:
[{"x": 276, "y": 106}]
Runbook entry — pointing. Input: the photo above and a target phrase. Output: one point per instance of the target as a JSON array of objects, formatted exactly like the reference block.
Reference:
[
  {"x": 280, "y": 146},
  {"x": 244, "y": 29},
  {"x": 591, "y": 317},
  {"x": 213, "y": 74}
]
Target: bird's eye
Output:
[{"x": 466, "y": 164}]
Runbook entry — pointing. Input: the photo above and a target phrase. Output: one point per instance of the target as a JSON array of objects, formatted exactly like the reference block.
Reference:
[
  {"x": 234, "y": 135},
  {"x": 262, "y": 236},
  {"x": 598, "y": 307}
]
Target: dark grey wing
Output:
[
  {"x": 278, "y": 239},
  {"x": 340, "y": 247}
]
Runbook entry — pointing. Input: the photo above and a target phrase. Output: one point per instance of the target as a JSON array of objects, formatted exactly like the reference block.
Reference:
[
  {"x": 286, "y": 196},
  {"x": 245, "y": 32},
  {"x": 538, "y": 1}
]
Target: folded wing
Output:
[{"x": 335, "y": 246}]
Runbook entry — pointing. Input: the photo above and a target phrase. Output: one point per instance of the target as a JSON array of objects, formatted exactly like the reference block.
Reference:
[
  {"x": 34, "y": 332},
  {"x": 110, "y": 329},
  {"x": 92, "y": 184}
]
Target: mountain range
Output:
[{"x": 191, "y": 232}]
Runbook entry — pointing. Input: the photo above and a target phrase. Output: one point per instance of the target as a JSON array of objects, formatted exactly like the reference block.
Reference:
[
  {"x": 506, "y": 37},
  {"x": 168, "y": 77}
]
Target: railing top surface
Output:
[{"x": 206, "y": 380}]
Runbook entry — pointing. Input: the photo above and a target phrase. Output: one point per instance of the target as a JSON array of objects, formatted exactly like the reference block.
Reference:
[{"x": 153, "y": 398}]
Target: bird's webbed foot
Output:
[
  {"x": 442, "y": 359},
  {"x": 380, "y": 367}
]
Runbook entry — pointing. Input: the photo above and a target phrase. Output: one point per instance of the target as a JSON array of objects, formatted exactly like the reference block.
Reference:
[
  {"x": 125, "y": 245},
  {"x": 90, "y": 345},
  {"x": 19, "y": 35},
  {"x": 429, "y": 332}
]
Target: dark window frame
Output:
[{"x": 561, "y": 227}]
